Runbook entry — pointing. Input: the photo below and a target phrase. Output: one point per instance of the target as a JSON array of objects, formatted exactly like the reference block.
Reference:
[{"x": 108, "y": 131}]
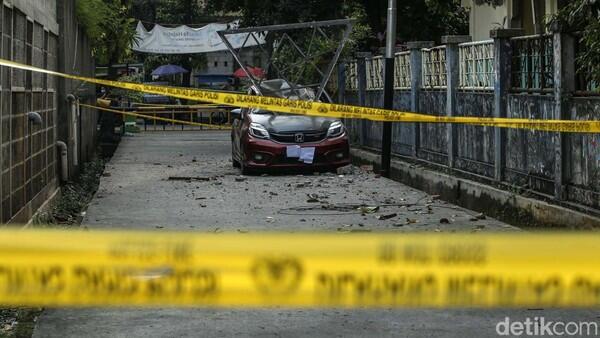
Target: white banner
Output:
[{"x": 187, "y": 40}]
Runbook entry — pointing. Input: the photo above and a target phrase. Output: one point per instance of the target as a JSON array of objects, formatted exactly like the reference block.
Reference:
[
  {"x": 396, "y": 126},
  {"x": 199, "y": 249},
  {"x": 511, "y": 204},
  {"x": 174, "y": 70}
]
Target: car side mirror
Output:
[{"x": 237, "y": 114}]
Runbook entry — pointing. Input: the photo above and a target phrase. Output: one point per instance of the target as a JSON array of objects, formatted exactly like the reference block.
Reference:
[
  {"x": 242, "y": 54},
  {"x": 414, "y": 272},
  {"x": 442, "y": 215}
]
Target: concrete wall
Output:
[
  {"x": 562, "y": 167},
  {"x": 75, "y": 58},
  {"x": 31, "y": 32}
]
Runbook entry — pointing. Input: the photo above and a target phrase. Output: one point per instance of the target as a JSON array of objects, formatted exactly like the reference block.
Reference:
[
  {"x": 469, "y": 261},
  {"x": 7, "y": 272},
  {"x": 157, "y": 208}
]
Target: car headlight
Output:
[
  {"x": 335, "y": 129},
  {"x": 257, "y": 130}
]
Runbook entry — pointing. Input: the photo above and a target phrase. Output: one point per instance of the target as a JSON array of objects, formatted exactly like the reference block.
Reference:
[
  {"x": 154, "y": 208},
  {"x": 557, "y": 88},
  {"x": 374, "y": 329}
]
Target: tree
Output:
[
  {"x": 584, "y": 16},
  {"x": 417, "y": 19},
  {"x": 109, "y": 29}
]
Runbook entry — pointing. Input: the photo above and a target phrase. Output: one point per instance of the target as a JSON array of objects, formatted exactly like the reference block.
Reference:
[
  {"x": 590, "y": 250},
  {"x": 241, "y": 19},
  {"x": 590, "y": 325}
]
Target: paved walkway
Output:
[{"x": 136, "y": 193}]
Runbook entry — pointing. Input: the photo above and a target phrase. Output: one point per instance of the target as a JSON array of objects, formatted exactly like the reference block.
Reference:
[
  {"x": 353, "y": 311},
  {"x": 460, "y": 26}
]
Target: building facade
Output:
[
  {"x": 36, "y": 109},
  {"x": 529, "y": 15}
]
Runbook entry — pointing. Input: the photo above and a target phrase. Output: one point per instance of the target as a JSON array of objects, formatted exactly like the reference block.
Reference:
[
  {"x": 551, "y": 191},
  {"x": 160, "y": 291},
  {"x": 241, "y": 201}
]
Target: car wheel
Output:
[{"x": 234, "y": 162}]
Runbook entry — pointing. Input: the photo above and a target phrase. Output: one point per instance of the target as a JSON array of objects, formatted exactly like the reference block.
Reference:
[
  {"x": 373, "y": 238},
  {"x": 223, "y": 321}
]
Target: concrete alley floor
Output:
[{"x": 136, "y": 193}]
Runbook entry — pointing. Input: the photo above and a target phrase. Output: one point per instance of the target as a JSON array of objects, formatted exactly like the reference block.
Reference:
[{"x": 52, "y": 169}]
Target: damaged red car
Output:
[{"x": 267, "y": 140}]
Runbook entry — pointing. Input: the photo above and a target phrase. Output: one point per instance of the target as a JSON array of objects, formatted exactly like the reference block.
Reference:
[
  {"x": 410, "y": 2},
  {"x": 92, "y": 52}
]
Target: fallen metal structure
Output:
[{"x": 303, "y": 39}]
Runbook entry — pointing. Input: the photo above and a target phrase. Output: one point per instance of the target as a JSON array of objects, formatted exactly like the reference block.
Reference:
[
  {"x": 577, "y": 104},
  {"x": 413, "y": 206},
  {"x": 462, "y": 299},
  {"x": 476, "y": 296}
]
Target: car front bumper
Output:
[{"x": 329, "y": 153}]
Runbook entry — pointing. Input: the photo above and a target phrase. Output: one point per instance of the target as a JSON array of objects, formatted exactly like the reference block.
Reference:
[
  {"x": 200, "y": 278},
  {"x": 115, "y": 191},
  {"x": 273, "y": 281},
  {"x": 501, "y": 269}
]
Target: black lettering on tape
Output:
[
  {"x": 31, "y": 279},
  {"x": 584, "y": 290},
  {"x": 461, "y": 253},
  {"x": 384, "y": 288}
]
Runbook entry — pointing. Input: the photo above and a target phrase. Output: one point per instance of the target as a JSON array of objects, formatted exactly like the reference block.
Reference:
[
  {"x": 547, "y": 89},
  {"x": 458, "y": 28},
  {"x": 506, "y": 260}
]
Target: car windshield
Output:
[{"x": 264, "y": 112}]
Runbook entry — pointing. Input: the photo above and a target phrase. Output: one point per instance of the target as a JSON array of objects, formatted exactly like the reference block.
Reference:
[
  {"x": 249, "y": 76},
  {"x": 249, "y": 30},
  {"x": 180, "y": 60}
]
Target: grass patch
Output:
[{"x": 74, "y": 197}]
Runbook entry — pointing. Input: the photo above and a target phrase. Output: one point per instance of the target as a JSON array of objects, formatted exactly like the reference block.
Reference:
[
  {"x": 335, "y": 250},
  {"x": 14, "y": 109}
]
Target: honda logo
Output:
[{"x": 299, "y": 138}]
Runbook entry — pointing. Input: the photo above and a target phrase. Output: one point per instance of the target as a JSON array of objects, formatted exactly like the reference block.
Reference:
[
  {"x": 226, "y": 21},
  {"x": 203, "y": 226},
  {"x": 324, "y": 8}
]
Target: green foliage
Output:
[
  {"x": 417, "y": 19},
  {"x": 131, "y": 96},
  {"x": 584, "y": 16},
  {"x": 74, "y": 197},
  {"x": 431, "y": 19},
  {"x": 109, "y": 28}
]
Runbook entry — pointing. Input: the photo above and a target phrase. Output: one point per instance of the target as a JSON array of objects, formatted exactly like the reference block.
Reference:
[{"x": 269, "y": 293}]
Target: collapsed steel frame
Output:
[{"x": 261, "y": 32}]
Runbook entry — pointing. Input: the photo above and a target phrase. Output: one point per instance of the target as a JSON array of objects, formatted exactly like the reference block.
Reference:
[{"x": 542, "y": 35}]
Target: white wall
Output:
[
  {"x": 483, "y": 18},
  {"x": 223, "y": 63}
]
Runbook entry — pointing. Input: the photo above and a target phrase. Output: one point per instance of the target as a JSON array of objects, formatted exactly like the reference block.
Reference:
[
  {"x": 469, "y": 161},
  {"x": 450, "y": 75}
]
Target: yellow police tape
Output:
[
  {"x": 323, "y": 109},
  {"x": 157, "y": 118},
  {"x": 190, "y": 106},
  {"x": 92, "y": 268}
]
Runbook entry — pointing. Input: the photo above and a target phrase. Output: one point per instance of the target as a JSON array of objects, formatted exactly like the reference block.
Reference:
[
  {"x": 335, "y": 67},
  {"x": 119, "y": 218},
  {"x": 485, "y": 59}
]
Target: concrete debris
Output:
[
  {"x": 368, "y": 210},
  {"x": 345, "y": 170},
  {"x": 367, "y": 168},
  {"x": 241, "y": 179},
  {"x": 411, "y": 221},
  {"x": 312, "y": 198},
  {"x": 477, "y": 217},
  {"x": 388, "y": 216},
  {"x": 189, "y": 178}
]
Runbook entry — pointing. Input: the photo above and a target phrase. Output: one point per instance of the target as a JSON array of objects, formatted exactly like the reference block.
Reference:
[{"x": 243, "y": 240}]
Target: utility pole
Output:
[{"x": 388, "y": 87}]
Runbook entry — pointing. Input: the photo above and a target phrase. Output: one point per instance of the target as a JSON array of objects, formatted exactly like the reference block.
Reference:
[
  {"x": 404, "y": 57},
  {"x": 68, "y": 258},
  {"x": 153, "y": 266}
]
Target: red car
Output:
[{"x": 263, "y": 140}]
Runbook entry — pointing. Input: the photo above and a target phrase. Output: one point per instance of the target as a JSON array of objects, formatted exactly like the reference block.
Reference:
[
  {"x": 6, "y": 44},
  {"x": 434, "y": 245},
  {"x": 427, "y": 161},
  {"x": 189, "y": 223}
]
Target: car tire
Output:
[{"x": 235, "y": 163}]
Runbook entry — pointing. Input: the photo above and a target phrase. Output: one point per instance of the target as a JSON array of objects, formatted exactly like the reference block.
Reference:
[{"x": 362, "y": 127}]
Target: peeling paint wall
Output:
[
  {"x": 475, "y": 145},
  {"x": 530, "y": 155},
  {"x": 433, "y": 136},
  {"x": 584, "y": 155},
  {"x": 402, "y": 133}
]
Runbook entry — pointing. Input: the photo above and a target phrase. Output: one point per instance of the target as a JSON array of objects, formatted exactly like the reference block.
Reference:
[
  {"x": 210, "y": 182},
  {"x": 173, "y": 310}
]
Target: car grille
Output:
[{"x": 290, "y": 137}]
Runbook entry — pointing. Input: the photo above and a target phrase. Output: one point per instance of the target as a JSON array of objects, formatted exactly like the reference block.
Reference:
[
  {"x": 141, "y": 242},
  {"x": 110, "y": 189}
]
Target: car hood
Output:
[{"x": 278, "y": 123}]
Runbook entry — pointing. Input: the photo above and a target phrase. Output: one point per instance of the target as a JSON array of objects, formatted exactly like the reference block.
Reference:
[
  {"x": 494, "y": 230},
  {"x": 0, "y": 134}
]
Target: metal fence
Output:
[
  {"x": 374, "y": 68},
  {"x": 532, "y": 64},
  {"x": 402, "y": 71},
  {"x": 476, "y": 65},
  {"x": 351, "y": 75},
  {"x": 214, "y": 116},
  {"x": 434, "y": 68}
]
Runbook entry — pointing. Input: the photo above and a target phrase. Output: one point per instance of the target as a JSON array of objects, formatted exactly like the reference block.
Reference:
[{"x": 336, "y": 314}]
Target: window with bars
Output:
[
  {"x": 374, "y": 67},
  {"x": 533, "y": 64},
  {"x": 434, "y": 68},
  {"x": 351, "y": 70},
  {"x": 476, "y": 65},
  {"x": 402, "y": 70}
]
